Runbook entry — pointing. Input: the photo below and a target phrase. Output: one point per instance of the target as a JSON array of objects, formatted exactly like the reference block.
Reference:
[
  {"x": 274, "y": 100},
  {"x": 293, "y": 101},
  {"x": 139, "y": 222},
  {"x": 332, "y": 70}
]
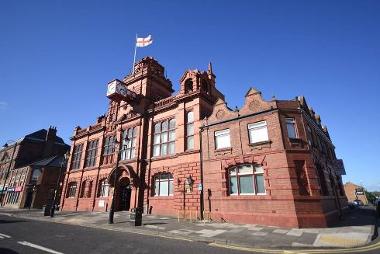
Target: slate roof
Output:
[
  {"x": 41, "y": 134},
  {"x": 54, "y": 161}
]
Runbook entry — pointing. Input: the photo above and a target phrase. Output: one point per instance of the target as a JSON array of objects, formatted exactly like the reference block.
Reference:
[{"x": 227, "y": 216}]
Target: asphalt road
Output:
[{"x": 29, "y": 236}]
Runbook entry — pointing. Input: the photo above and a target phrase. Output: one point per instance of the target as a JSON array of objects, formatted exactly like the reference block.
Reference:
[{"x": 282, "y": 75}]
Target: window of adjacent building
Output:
[
  {"x": 77, "y": 154},
  {"x": 189, "y": 130},
  {"x": 222, "y": 139},
  {"x": 92, "y": 148},
  {"x": 129, "y": 144},
  {"x": 36, "y": 174},
  {"x": 164, "y": 138},
  {"x": 103, "y": 188},
  {"x": 13, "y": 197},
  {"x": 258, "y": 132},
  {"x": 246, "y": 180},
  {"x": 71, "y": 190},
  {"x": 163, "y": 184},
  {"x": 291, "y": 127}
]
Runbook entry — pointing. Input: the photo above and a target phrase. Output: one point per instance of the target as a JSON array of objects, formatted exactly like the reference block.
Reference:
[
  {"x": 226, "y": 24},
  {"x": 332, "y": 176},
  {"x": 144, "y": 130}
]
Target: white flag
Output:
[{"x": 143, "y": 42}]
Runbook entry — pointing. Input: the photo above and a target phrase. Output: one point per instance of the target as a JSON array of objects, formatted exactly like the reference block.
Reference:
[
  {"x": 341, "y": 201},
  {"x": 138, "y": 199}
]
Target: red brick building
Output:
[
  {"x": 30, "y": 169},
  {"x": 355, "y": 192},
  {"x": 188, "y": 154}
]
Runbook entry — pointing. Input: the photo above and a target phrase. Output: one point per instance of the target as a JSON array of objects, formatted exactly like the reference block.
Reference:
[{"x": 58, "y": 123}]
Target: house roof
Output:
[
  {"x": 54, "y": 161},
  {"x": 41, "y": 134}
]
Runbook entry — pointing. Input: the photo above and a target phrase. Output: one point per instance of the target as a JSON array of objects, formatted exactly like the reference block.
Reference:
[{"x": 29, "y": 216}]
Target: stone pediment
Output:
[
  {"x": 255, "y": 103},
  {"x": 221, "y": 112}
]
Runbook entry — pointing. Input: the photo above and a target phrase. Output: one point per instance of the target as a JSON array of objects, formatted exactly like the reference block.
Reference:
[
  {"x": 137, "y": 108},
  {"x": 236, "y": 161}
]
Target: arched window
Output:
[
  {"x": 103, "y": 188},
  {"x": 163, "y": 184},
  {"x": 246, "y": 179},
  {"x": 71, "y": 190},
  {"x": 188, "y": 86}
]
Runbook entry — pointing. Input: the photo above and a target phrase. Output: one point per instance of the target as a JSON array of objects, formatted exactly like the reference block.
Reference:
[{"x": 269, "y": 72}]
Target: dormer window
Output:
[{"x": 188, "y": 86}]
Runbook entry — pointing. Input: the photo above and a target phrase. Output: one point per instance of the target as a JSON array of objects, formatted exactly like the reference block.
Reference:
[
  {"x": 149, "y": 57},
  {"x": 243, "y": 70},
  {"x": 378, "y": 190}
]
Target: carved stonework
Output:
[
  {"x": 220, "y": 114},
  {"x": 254, "y": 105}
]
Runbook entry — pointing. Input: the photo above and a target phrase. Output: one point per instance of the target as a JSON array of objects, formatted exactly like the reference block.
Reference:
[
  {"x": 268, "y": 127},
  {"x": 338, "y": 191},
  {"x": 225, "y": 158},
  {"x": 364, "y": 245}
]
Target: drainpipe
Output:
[{"x": 201, "y": 169}]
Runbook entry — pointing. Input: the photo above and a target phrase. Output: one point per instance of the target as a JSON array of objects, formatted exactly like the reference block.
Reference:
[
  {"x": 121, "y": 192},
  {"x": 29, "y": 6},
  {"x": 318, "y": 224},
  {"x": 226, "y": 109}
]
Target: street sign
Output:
[{"x": 200, "y": 187}]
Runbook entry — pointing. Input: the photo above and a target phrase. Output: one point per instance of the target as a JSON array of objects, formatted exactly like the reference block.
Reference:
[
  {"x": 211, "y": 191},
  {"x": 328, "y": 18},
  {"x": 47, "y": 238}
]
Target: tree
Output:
[{"x": 370, "y": 197}]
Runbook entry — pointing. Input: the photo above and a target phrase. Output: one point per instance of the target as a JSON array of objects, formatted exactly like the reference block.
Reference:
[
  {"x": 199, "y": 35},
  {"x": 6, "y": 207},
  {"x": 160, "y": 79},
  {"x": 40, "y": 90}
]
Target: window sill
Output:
[
  {"x": 295, "y": 140},
  {"x": 260, "y": 145},
  {"x": 162, "y": 157},
  {"x": 248, "y": 196},
  {"x": 161, "y": 197},
  {"x": 129, "y": 160},
  {"x": 227, "y": 149},
  {"x": 90, "y": 168}
]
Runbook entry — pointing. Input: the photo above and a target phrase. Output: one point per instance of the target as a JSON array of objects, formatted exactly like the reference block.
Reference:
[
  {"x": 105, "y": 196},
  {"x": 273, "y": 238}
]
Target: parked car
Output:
[{"x": 358, "y": 202}]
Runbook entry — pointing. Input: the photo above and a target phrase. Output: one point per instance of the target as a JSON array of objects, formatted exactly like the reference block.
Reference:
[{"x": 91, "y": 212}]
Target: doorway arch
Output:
[{"x": 123, "y": 194}]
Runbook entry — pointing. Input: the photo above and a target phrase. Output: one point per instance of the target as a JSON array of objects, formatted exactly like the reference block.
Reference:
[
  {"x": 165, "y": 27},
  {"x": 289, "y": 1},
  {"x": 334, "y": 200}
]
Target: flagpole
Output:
[{"x": 134, "y": 57}]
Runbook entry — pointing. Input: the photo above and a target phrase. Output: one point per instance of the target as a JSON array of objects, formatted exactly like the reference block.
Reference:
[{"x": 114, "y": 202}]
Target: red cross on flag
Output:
[{"x": 143, "y": 42}]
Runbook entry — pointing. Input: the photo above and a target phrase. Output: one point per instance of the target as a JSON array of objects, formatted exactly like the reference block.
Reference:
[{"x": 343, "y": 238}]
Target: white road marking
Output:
[
  {"x": 5, "y": 236},
  {"x": 39, "y": 247}
]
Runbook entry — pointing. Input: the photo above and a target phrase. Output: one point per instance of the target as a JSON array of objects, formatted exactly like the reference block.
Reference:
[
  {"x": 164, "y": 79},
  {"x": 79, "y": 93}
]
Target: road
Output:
[
  {"x": 27, "y": 236},
  {"x": 32, "y": 237}
]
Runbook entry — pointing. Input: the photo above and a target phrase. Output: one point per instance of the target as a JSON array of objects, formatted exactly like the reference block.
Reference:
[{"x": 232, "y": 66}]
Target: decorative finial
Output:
[{"x": 209, "y": 70}]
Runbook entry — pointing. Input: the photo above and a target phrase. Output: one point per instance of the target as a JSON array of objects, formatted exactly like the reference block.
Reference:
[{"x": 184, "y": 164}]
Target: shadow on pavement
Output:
[
  {"x": 155, "y": 223},
  {"x": 10, "y": 221},
  {"x": 361, "y": 216},
  {"x": 7, "y": 251}
]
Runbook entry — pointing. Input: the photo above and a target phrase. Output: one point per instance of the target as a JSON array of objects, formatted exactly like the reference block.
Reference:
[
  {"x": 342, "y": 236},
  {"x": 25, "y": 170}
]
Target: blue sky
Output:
[{"x": 56, "y": 58}]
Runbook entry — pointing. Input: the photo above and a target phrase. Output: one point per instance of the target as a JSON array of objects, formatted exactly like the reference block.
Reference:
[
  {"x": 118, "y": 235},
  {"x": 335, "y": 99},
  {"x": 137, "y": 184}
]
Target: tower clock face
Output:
[{"x": 111, "y": 88}]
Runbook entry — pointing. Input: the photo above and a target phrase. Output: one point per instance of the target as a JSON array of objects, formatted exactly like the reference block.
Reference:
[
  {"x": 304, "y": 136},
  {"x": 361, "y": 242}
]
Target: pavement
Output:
[{"x": 357, "y": 228}]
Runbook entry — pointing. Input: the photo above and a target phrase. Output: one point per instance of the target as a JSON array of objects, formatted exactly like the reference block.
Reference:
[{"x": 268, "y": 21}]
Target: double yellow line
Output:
[{"x": 363, "y": 249}]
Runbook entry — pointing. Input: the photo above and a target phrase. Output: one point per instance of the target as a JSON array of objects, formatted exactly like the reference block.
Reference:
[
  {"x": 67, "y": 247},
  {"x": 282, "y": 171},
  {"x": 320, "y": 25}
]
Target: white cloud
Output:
[{"x": 3, "y": 105}]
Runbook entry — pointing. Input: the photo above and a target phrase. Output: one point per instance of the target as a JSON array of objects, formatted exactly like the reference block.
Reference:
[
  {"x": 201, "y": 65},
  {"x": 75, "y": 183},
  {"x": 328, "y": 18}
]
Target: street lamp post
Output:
[
  {"x": 52, "y": 208},
  {"x": 112, "y": 209}
]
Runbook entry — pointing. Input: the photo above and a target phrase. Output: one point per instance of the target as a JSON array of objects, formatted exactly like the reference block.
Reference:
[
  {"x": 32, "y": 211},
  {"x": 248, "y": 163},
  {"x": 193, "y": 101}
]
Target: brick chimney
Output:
[{"x": 51, "y": 134}]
